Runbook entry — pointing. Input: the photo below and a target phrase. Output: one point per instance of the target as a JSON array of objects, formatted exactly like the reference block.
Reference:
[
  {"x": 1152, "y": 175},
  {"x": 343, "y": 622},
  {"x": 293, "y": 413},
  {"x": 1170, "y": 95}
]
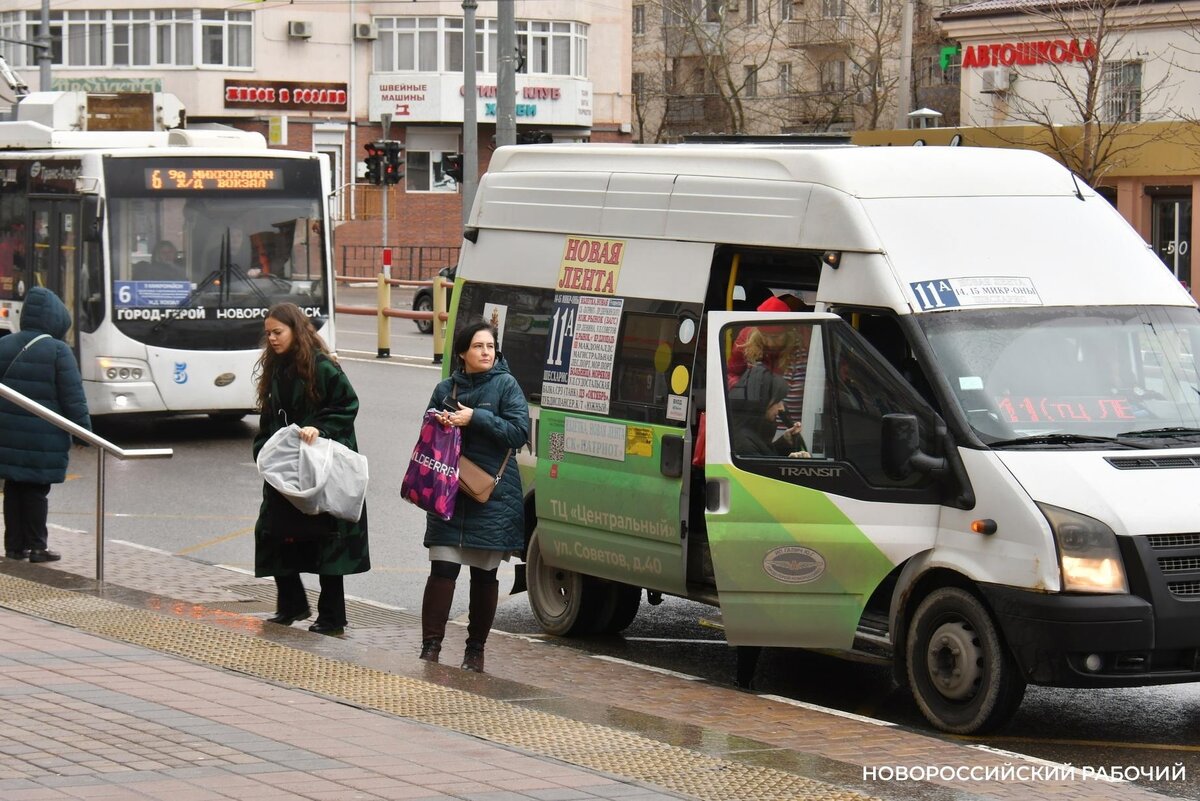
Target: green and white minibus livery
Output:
[{"x": 992, "y": 408}]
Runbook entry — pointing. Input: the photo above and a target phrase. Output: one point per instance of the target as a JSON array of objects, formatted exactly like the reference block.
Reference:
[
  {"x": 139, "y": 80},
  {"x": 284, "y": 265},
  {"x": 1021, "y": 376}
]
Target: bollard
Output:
[
  {"x": 439, "y": 330},
  {"x": 383, "y": 301}
]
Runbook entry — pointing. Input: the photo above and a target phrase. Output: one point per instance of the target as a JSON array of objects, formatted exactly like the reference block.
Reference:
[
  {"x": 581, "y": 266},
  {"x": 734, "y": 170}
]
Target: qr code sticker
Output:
[{"x": 557, "y": 444}]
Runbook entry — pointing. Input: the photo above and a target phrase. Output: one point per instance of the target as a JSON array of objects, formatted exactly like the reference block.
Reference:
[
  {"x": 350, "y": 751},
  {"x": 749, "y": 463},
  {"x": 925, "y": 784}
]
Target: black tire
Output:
[
  {"x": 620, "y": 607},
  {"x": 564, "y": 602},
  {"x": 423, "y": 303},
  {"x": 960, "y": 671}
]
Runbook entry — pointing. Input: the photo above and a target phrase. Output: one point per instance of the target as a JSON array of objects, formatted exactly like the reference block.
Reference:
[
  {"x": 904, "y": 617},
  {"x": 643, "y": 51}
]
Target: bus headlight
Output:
[
  {"x": 1087, "y": 552},
  {"x": 117, "y": 370}
]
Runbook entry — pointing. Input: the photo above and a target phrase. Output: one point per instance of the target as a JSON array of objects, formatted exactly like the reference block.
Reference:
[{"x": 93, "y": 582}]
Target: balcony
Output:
[
  {"x": 820, "y": 32},
  {"x": 695, "y": 112}
]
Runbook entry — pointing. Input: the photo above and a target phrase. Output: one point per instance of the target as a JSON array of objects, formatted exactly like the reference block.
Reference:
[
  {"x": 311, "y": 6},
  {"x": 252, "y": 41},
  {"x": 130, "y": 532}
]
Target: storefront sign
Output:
[
  {"x": 1028, "y": 54},
  {"x": 546, "y": 99},
  {"x": 285, "y": 95},
  {"x": 106, "y": 85}
]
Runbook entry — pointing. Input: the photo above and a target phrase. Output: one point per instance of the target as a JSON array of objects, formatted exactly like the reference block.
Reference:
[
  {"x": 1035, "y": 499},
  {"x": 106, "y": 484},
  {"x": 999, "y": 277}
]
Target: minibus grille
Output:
[
  {"x": 1183, "y": 564},
  {"x": 1151, "y": 463},
  {"x": 1185, "y": 589},
  {"x": 1160, "y": 541}
]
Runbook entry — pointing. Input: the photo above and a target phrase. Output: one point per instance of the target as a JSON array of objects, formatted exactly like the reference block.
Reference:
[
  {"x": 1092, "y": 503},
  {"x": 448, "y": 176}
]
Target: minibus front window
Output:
[{"x": 1051, "y": 376}]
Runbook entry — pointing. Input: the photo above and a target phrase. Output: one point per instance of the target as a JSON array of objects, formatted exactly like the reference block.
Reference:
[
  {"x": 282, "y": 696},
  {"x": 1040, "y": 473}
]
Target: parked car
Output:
[{"x": 423, "y": 299}]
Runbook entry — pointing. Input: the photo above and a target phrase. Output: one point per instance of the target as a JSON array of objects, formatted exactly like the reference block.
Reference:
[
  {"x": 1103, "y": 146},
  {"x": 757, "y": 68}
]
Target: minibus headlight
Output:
[{"x": 1087, "y": 552}]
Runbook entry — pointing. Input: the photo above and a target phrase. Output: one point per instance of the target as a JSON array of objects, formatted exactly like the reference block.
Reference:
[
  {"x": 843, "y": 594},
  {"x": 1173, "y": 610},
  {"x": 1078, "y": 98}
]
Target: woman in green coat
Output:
[{"x": 300, "y": 383}]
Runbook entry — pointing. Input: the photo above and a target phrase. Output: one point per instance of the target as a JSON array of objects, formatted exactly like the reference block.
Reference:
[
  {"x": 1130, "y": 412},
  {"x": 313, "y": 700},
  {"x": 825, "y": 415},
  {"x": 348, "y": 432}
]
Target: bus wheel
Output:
[
  {"x": 620, "y": 607},
  {"x": 961, "y": 674},
  {"x": 564, "y": 602}
]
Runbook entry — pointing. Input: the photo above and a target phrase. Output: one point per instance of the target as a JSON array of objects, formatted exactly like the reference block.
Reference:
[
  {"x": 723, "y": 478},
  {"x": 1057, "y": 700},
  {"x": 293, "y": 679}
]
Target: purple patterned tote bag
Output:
[{"x": 431, "y": 481}]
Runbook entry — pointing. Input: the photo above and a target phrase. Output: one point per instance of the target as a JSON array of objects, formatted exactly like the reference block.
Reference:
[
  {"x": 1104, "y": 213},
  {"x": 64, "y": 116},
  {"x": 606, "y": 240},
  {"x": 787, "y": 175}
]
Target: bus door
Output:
[
  {"x": 803, "y": 521},
  {"x": 55, "y": 252}
]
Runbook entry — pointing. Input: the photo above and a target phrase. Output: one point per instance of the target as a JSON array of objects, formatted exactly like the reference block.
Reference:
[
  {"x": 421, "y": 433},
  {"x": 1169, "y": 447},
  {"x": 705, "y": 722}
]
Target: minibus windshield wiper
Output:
[
  {"x": 1059, "y": 439},
  {"x": 1168, "y": 432}
]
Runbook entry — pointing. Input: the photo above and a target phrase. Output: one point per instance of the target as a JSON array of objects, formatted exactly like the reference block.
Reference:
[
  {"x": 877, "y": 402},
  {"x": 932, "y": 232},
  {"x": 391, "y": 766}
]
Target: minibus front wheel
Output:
[{"x": 962, "y": 675}]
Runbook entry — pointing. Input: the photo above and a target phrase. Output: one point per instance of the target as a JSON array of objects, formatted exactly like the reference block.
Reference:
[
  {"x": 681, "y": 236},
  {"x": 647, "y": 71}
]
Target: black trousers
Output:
[
  {"x": 331, "y": 605},
  {"x": 25, "y": 511}
]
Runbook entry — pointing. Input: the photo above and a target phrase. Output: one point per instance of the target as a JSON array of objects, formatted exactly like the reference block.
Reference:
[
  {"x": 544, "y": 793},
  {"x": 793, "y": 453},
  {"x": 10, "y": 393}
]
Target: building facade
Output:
[
  {"x": 1110, "y": 88},
  {"x": 322, "y": 76},
  {"x": 770, "y": 67}
]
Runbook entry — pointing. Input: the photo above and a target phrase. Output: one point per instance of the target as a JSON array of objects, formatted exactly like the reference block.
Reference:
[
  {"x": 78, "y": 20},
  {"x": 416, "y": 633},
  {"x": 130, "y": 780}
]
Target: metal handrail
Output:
[{"x": 95, "y": 440}]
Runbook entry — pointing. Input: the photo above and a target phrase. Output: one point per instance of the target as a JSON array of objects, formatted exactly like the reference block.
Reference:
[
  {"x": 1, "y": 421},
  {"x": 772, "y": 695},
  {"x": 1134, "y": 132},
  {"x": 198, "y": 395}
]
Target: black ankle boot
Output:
[
  {"x": 473, "y": 657},
  {"x": 431, "y": 650}
]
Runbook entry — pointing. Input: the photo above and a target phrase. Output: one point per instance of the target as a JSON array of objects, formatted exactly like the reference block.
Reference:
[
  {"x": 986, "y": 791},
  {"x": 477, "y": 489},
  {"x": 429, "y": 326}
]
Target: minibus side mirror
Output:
[
  {"x": 93, "y": 218},
  {"x": 901, "y": 444}
]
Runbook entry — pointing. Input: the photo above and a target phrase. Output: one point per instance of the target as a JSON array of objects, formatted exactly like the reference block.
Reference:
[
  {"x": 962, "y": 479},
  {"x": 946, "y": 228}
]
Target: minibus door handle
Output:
[{"x": 670, "y": 459}]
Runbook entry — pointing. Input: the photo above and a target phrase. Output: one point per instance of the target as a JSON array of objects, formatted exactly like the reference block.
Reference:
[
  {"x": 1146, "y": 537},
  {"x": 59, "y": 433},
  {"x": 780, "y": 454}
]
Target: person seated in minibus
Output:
[
  {"x": 163, "y": 265},
  {"x": 755, "y": 403}
]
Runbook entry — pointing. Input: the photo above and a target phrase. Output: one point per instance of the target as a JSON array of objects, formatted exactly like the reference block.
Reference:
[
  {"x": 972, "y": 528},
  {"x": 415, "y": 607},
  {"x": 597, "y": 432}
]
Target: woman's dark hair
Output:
[
  {"x": 306, "y": 344},
  {"x": 462, "y": 340}
]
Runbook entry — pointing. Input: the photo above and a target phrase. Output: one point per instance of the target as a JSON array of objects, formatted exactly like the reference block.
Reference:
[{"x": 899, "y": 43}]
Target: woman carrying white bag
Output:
[{"x": 300, "y": 384}]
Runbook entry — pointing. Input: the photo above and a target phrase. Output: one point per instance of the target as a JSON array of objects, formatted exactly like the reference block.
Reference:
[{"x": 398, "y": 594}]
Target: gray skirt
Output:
[{"x": 471, "y": 557}]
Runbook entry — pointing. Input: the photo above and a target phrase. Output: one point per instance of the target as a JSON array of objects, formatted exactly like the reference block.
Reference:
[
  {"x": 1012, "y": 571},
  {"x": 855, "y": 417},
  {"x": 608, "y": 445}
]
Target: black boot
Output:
[
  {"x": 481, "y": 614},
  {"x": 435, "y": 609}
]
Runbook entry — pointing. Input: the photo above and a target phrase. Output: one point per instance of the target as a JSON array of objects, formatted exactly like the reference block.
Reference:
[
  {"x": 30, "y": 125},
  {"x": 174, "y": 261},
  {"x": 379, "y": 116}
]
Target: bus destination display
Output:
[{"x": 213, "y": 178}]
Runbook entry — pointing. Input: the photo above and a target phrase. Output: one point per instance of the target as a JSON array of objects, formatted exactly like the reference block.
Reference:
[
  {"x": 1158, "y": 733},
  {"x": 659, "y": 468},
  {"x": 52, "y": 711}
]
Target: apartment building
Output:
[{"x": 320, "y": 76}]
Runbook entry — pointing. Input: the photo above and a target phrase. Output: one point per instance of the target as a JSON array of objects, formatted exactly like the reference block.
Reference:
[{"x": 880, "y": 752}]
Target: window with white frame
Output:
[
  {"x": 226, "y": 38},
  {"x": 786, "y": 11},
  {"x": 639, "y": 19},
  {"x": 833, "y": 76},
  {"x": 423, "y": 160},
  {"x": 785, "y": 78},
  {"x": 133, "y": 38},
  {"x": 751, "y": 9},
  {"x": 435, "y": 44},
  {"x": 750, "y": 84},
  {"x": 1121, "y": 91}
]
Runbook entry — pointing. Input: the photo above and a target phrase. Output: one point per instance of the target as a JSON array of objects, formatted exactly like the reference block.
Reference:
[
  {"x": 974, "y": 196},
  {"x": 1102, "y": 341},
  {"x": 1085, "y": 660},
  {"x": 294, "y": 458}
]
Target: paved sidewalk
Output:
[
  {"x": 171, "y": 686},
  {"x": 86, "y": 717}
]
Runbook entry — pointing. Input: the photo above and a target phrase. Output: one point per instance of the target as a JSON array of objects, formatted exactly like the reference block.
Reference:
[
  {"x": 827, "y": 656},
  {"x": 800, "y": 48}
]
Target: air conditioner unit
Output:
[
  {"x": 995, "y": 80},
  {"x": 299, "y": 29},
  {"x": 365, "y": 31}
]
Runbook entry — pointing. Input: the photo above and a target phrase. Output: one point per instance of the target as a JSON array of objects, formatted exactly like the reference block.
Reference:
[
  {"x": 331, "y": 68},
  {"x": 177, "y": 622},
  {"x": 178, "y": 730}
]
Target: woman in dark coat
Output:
[
  {"x": 755, "y": 402},
  {"x": 483, "y": 399},
  {"x": 34, "y": 453},
  {"x": 300, "y": 383}
]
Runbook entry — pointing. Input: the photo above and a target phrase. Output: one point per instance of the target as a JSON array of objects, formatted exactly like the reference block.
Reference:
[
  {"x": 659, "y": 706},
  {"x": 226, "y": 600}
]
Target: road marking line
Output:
[
  {"x": 241, "y": 532},
  {"x": 1102, "y": 743}
]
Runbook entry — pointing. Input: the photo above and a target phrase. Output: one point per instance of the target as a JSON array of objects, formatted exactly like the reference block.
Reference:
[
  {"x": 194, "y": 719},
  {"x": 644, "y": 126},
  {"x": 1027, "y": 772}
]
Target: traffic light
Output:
[
  {"x": 393, "y": 166},
  {"x": 374, "y": 162},
  {"x": 452, "y": 165}
]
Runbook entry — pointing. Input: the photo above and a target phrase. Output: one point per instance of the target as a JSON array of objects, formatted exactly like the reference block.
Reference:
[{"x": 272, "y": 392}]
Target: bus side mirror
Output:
[
  {"x": 901, "y": 448},
  {"x": 93, "y": 218}
]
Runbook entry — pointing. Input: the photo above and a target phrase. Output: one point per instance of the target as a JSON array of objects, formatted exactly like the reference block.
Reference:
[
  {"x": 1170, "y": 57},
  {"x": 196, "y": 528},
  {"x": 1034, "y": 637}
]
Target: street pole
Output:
[
  {"x": 45, "y": 57},
  {"x": 904, "y": 85},
  {"x": 385, "y": 274},
  {"x": 506, "y": 74},
  {"x": 351, "y": 159},
  {"x": 470, "y": 119}
]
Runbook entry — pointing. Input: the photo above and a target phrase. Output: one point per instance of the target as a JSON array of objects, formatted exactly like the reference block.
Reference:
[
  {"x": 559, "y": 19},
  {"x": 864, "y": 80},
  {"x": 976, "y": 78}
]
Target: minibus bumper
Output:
[{"x": 1066, "y": 640}]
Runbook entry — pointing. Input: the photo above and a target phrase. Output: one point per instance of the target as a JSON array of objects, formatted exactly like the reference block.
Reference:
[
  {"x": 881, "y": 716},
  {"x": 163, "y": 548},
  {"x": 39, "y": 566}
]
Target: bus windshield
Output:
[
  {"x": 199, "y": 249},
  {"x": 1073, "y": 376}
]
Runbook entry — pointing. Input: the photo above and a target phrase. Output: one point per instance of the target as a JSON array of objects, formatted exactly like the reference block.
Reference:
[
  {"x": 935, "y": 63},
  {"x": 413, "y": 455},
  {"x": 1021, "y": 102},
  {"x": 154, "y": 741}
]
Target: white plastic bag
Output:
[{"x": 325, "y": 476}]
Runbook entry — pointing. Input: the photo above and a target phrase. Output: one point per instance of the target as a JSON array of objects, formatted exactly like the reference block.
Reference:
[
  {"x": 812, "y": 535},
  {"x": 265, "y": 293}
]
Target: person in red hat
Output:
[{"x": 776, "y": 347}]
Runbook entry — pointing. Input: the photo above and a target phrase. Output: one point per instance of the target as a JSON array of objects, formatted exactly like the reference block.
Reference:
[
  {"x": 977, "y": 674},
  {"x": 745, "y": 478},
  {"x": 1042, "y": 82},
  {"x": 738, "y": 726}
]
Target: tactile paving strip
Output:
[{"x": 587, "y": 745}]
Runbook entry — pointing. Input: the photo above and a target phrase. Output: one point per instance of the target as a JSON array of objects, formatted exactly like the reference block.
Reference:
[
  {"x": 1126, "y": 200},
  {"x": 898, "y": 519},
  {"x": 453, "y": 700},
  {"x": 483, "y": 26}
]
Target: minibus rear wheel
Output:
[
  {"x": 962, "y": 675},
  {"x": 564, "y": 602}
]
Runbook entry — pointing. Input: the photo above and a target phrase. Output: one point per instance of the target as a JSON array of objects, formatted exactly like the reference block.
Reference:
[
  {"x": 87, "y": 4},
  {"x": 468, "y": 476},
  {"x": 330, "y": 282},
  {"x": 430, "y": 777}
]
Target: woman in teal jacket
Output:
[
  {"x": 483, "y": 399},
  {"x": 300, "y": 383}
]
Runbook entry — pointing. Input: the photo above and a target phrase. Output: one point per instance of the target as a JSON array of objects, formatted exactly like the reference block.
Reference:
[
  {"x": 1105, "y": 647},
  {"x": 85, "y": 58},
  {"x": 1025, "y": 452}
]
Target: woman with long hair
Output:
[
  {"x": 483, "y": 399},
  {"x": 300, "y": 383}
]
